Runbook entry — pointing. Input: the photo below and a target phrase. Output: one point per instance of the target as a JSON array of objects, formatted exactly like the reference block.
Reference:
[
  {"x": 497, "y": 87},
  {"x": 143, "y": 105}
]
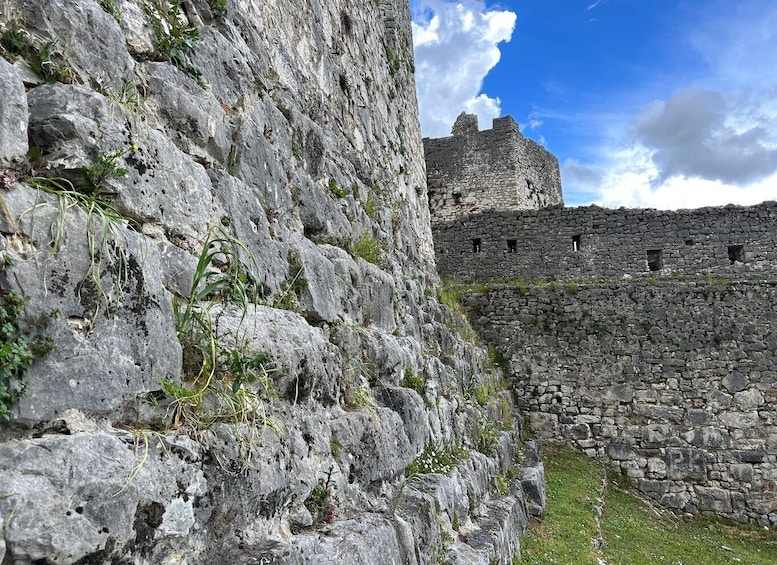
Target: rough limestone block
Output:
[
  {"x": 178, "y": 517},
  {"x": 655, "y": 435},
  {"x": 749, "y": 399},
  {"x": 378, "y": 295},
  {"x": 322, "y": 214},
  {"x": 500, "y": 528},
  {"x": 250, "y": 223},
  {"x": 308, "y": 366},
  {"x": 377, "y": 441},
  {"x": 73, "y": 126},
  {"x": 742, "y": 472},
  {"x": 543, "y": 423},
  {"x": 13, "y": 116},
  {"x": 685, "y": 464},
  {"x": 735, "y": 382},
  {"x": 411, "y": 409},
  {"x": 115, "y": 334},
  {"x": 762, "y": 502},
  {"x": 619, "y": 393},
  {"x": 367, "y": 538},
  {"x": 652, "y": 487},
  {"x": 192, "y": 118},
  {"x": 533, "y": 485},
  {"x": 75, "y": 496},
  {"x": 390, "y": 354},
  {"x": 739, "y": 420},
  {"x": 621, "y": 449},
  {"x": 676, "y": 500},
  {"x": 712, "y": 499},
  {"x": 262, "y": 131},
  {"x": 709, "y": 438},
  {"x": 323, "y": 295},
  {"x": 64, "y": 21}
]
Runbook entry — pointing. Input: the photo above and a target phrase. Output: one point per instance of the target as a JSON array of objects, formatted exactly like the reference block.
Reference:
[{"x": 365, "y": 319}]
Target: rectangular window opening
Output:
[
  {"x": 576, "y": 243},
  {"x": 512, "y": 245},
  {"x": 736, "y": 253},
  {"x": 655, "y": 259},
  {"x": 476, "y": 242}
]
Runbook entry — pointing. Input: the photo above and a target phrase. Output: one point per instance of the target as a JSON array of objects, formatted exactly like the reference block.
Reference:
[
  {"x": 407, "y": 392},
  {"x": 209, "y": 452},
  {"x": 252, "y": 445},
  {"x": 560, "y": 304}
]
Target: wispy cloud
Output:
[
  {"x": 456, "y": 45},
  {"x": 595, "y": 4}
]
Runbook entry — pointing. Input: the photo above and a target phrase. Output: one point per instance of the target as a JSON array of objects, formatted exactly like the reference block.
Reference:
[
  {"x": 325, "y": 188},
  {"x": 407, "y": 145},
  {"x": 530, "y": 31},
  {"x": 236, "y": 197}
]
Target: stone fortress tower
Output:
[{"x": 497, "y": 169}]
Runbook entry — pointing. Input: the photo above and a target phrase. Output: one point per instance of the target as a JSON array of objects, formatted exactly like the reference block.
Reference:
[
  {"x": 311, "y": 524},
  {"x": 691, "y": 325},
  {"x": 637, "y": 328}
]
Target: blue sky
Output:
[{"x": 649, "y": 103}]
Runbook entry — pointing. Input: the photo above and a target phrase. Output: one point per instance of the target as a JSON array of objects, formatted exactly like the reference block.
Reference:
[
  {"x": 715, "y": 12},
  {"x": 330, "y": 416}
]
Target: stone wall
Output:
[
  {"x": 473, "y": 170},
  {"x": 594, "y": 243},
  {"x": 674, "y": 384},
  {"x": 225, "y": 203}
]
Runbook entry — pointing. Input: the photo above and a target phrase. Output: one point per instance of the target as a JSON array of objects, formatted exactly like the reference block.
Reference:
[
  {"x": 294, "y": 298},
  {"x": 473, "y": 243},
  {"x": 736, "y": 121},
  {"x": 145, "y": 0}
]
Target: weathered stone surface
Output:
[
  {"x": 115, "y": 318},
  {"x": 533, "y": 484},
  {"x": 323, "y": 296},
  {"x": 742, "y": 473},
  {"x": 232, "y": 141},
  {"x": 96, "y": 506},
  {"x": 735, "y": 382},
  {"x": 713, "y": 499},
  {"x": 13, "y": 116},
  {"x": 64, "y": 22},
  {"x": 621, "y": 449},
  {"x": 178, "y": 518},
  {"x": 688, "y": 350},
  {"x": 739, "y": 420},
  {"x": 307, "y": 366},
  {"x": 749, "y": 399},
  {"x": 251, "y": 224},
  {"x": 655, "y": 488},
  {"x": 74, "y": 127},
  {"x": 377, "y": 442},
  {"x": 368, "y": 538},
  {"x": 408, "y": 405},
  {"x": 685, "y": 464},
  {"x": 709, "y": 438},
  {"x": 678, "y": 500},
  {"x": 656, "y": 434},
  {"x": 191, "y": 117},
  {"x": 619, "y": 393},
  {"x": 378, "y": 295}
]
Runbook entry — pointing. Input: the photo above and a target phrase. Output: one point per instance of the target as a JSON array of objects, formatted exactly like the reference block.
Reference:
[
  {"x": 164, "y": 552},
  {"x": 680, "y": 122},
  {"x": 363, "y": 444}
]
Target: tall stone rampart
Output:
[
  {"x": 593, "y": 243},
  {"x": 674, "y": 384},
  {"x": 472, "y": 171},
  {"x": 224, "y": 202}
]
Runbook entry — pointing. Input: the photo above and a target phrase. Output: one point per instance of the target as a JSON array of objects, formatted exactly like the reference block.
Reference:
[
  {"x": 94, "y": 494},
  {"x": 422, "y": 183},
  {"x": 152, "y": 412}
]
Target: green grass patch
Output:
[
  {"x": 633, "y": 532},
  {"x": 563, "y": 535},
  {"x": 635, "y": 535},
  {"x": 368, "y": 248}
]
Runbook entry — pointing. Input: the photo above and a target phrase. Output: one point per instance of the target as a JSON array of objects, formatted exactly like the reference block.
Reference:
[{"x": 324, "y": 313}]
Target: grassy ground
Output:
[
  {"x": 633, "y": 532},
  {"x": 564, "y": 536}
]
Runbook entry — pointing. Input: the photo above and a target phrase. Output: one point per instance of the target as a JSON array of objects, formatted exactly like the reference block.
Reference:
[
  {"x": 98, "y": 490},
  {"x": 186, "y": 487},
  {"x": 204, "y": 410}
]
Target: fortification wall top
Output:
[
  {"x": 594, "y": 242},
  {"x": 471, "y": 170}
]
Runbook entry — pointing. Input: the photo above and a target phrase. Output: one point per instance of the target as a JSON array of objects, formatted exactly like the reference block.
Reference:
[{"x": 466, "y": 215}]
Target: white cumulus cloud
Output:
[{"x": 456, "y": 45}]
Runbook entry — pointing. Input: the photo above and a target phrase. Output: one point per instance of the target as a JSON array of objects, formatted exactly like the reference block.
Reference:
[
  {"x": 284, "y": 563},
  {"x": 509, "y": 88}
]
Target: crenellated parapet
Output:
[{"x": 497, "y": 169}]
